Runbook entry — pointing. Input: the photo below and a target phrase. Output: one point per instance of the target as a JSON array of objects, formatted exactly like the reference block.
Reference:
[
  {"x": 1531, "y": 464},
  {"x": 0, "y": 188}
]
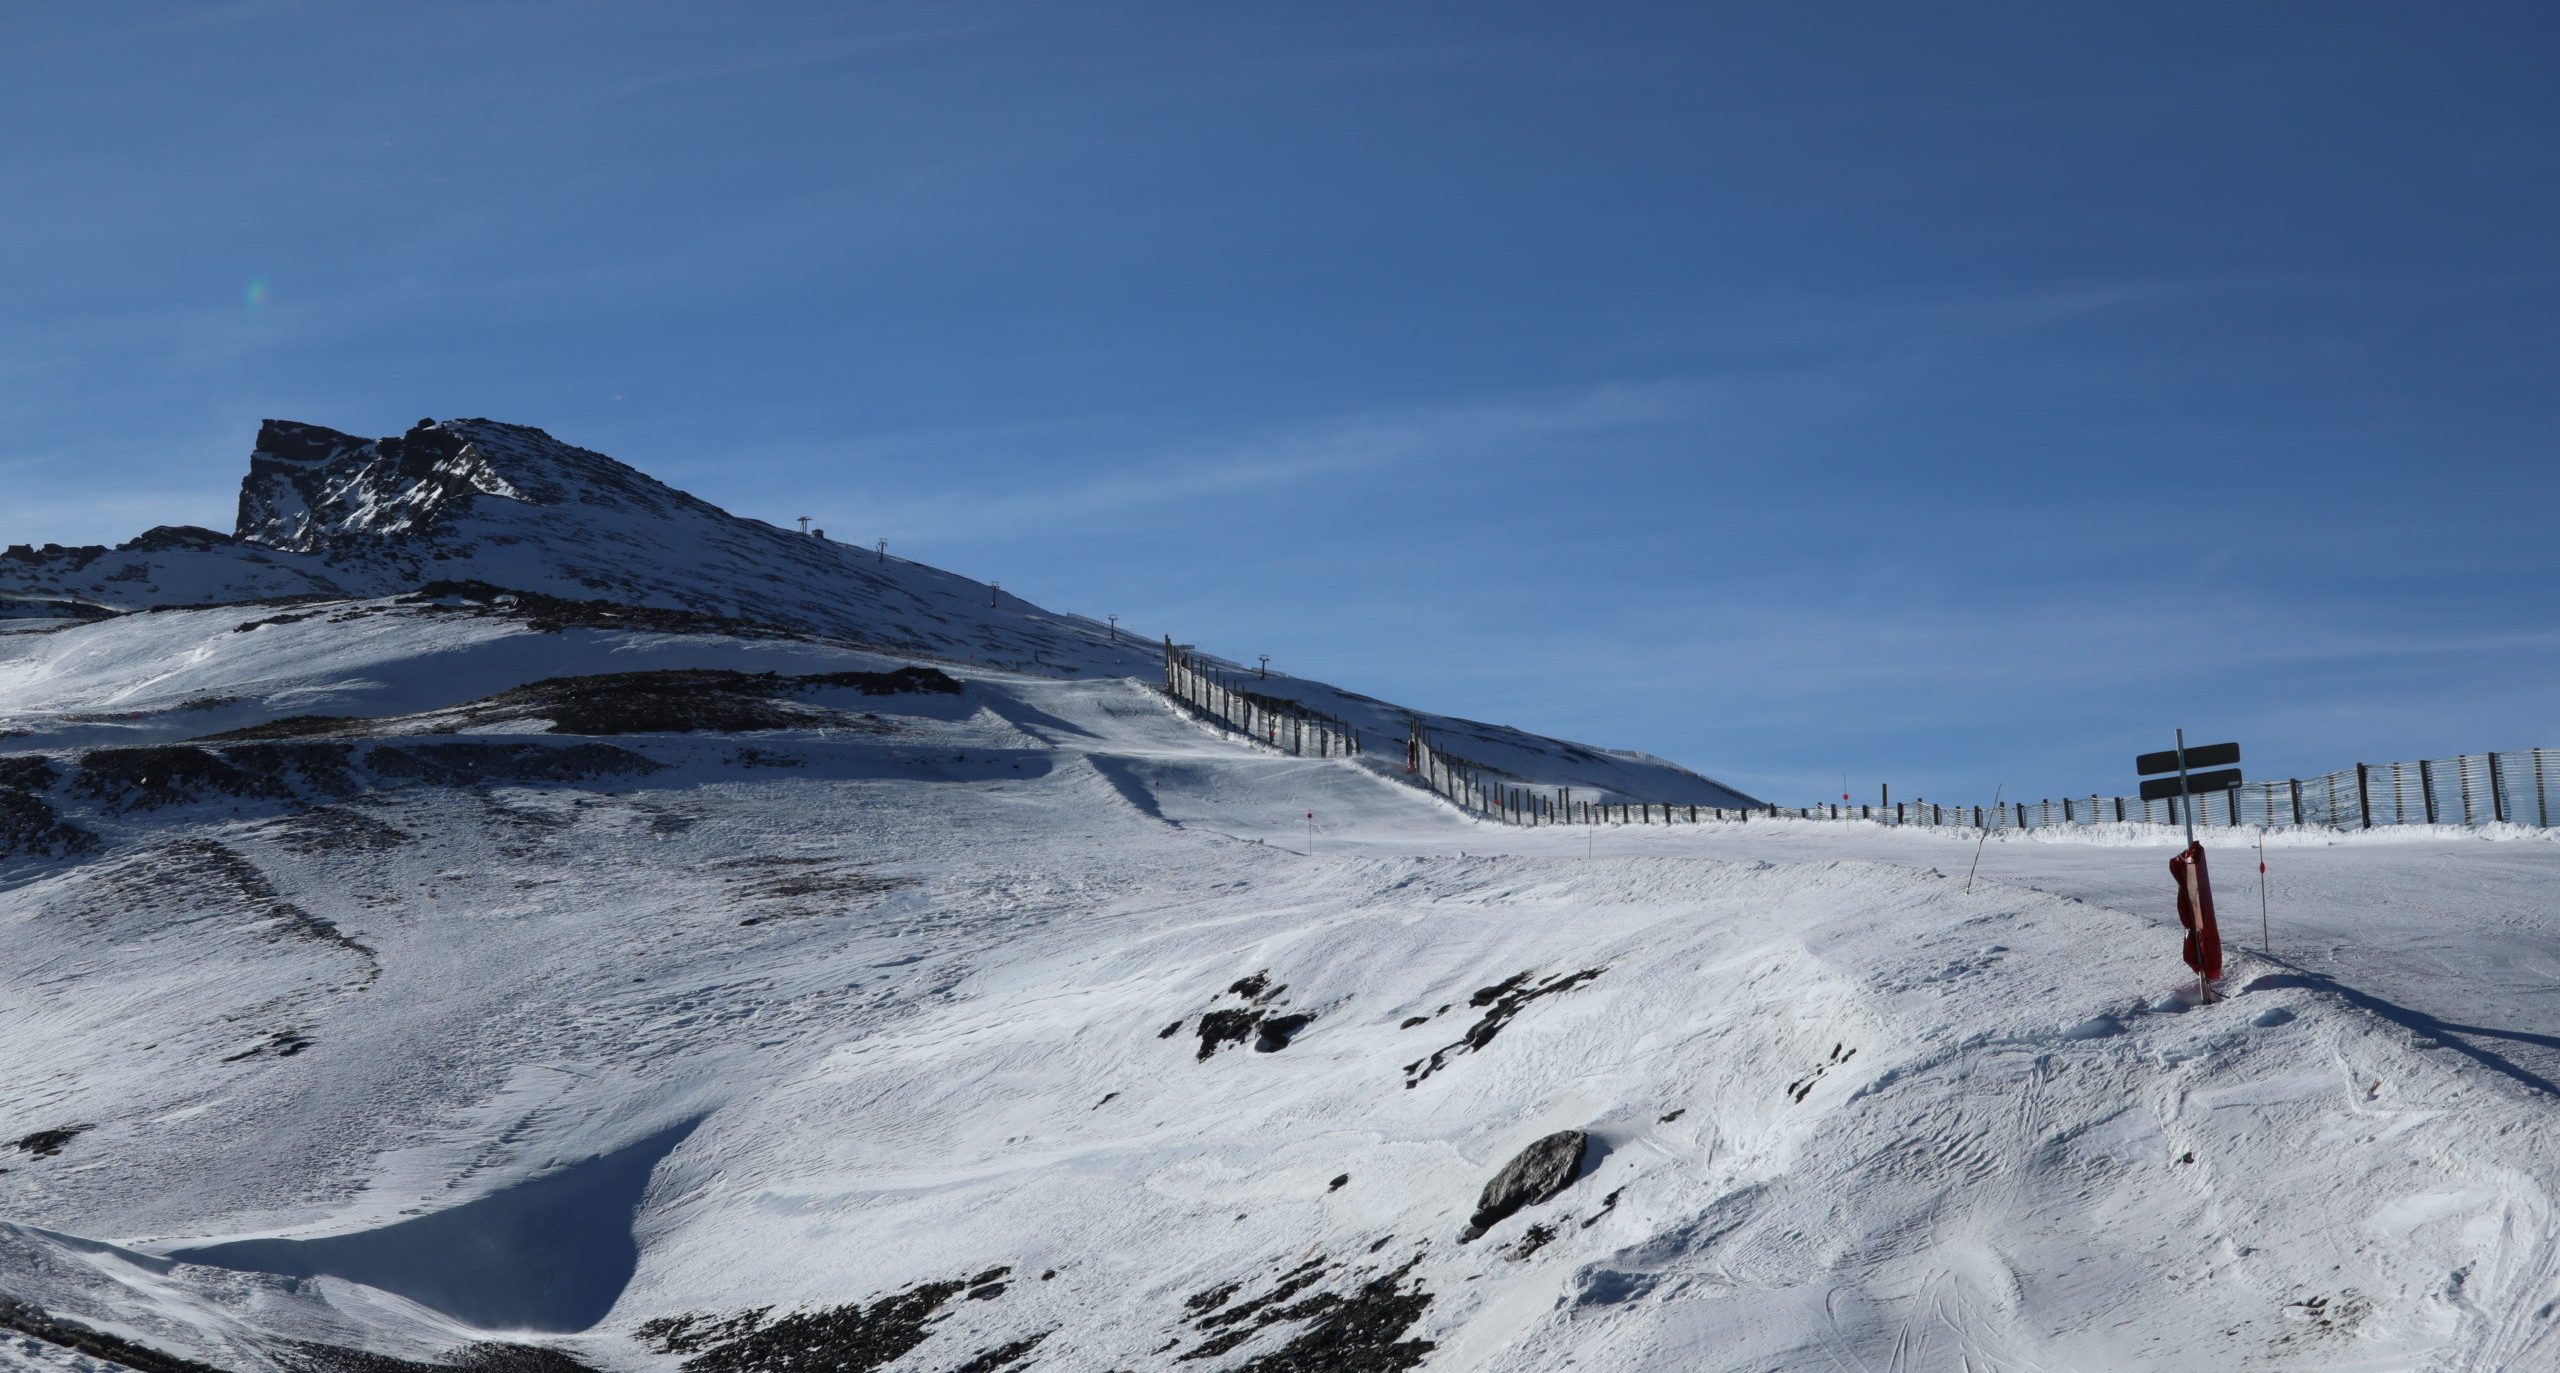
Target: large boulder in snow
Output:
[{"x": 1535, "y": 1174}]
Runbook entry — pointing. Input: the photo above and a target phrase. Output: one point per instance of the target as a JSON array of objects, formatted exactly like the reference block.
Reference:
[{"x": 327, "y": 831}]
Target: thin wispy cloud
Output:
[{"x": 1214, "y": 473}]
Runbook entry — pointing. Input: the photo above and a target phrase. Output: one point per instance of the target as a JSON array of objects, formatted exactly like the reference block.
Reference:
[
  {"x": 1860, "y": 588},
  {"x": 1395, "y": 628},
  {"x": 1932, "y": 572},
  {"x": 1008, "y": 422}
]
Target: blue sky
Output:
[{"x": 1956, "y": 396}]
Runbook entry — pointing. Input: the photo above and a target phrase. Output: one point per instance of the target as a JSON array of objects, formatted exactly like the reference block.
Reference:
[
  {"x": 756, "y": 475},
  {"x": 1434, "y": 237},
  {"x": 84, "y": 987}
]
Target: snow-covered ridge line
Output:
[{"x": 328, "y": 514}]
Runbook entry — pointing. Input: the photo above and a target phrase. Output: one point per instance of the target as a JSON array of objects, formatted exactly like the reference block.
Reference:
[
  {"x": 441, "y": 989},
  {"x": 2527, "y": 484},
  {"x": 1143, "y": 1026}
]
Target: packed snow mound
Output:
[{"x": 491, "y": 511}]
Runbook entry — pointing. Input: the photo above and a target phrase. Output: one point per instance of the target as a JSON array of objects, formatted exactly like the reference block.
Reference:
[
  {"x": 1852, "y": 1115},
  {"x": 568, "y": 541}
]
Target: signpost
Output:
[{"x": 2195, "y": 884}]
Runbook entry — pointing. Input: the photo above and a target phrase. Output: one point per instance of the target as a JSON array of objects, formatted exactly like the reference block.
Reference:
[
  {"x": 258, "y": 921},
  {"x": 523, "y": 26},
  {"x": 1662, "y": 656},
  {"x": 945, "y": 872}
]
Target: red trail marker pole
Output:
[{"x": 2264, "y": 938}]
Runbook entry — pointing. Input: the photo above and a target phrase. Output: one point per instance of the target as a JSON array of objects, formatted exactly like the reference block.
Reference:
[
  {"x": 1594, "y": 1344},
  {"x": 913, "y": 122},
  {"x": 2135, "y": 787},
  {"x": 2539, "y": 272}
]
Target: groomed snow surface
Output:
[{"x": 810, "y": 1018}]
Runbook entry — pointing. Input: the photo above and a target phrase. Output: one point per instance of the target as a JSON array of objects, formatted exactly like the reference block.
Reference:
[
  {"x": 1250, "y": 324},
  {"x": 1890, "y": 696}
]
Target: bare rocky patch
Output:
[
  {"x": 334, "y": 829},
  {"x": 1228, "y": 1026},
  {"x": 667, "y": 701},
  {"x": 47, "y": 1143},
  {"x": 489, "y": 1356},
  {"x": 121, "y": 780},
  {"x": 29, "y": 825},
  {"x": 1500, "y": 1003},
  {"x": 1356, "y": 1329},
  {"x": 853, "y": 1338}
]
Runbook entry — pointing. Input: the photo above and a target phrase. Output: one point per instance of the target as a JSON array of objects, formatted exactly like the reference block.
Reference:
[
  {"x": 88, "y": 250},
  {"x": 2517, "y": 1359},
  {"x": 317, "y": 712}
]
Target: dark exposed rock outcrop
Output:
[{"x": 1536, "y": 1174}]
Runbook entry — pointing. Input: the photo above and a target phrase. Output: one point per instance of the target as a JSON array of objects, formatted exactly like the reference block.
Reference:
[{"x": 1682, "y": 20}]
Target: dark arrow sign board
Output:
[
  {"x": 2201, "y": 756},
  {"x": 2197, "y": 784},
  {"x": 2193, "y": 783}
]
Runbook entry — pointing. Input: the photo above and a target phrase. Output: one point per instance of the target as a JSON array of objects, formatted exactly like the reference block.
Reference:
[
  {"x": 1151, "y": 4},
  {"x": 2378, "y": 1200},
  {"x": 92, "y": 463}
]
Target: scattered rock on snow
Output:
[
  {"x": 47, "y": 1143},
  {"x": 1535, "y": 1238},
  {"x": 1359, "y": 1331},
  {"x": 1803, "y": 1087},
  {"x": 1536, "y": 1174},
  {"x": 1256, "y": 989},
  {"x": 281, "y": 1044},
  {"x": 1004, "y": 1357},
  {"x": 1503, "y": 1000},
  {"x": 854, "y": 1338},
  {"x": 1278, "y": 1030},
  {"x": 1608, "y": 1204},
  {"x": 30, "y": 827},
  {"x": 1218, "y": 1029}
]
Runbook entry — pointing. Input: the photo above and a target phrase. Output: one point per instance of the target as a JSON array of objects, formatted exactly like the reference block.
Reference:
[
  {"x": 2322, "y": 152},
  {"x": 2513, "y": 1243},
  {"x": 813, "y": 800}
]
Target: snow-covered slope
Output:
[
  {"x": 1034, "y": 1025},
  {"x": 329, "y": 516}
]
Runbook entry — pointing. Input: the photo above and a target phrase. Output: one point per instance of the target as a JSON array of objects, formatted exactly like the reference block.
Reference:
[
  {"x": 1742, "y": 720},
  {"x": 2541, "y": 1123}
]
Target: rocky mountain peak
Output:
[{"x": 312, "y": 489}]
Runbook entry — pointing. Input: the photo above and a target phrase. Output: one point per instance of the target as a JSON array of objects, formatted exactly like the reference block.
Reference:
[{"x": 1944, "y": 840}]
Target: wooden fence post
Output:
[
  {"x": 2427, "y": 787},
  {"x": 2497, "y": 791},
  {"x": 2364, "y": 794}
]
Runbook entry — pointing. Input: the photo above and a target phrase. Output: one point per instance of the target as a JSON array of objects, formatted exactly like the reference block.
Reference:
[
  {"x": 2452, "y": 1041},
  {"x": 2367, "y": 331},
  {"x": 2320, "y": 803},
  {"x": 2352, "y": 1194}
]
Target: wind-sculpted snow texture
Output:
[{"x": 399, "y": 983}]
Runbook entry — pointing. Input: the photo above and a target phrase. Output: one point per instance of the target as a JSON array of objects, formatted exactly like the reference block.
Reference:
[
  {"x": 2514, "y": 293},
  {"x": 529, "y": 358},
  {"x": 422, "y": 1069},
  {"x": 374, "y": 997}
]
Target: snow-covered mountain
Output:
[
  {"x": 509, "y": 508},
  {"x": 402, "y": 980},
  {"x": 325, "y": 513}
]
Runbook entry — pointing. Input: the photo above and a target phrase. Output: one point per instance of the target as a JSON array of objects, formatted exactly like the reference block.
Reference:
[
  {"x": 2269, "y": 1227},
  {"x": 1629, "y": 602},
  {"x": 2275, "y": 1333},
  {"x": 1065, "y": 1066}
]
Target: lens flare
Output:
[{"x": 257, "y": 292}]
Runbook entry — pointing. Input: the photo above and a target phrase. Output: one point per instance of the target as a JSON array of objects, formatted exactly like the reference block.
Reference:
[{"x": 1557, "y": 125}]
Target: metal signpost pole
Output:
[{"x": 2188, "y": 808}]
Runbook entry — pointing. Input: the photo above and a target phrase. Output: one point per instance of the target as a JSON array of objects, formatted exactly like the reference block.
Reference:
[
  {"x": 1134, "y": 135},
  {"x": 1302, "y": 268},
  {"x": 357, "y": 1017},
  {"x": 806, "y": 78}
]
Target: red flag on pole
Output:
[{"x": 2195, "y": 911}]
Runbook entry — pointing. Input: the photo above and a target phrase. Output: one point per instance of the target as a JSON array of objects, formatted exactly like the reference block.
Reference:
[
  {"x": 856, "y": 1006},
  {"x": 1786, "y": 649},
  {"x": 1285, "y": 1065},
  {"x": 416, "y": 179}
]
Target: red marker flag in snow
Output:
[{"x": 2195, "y": 911}]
